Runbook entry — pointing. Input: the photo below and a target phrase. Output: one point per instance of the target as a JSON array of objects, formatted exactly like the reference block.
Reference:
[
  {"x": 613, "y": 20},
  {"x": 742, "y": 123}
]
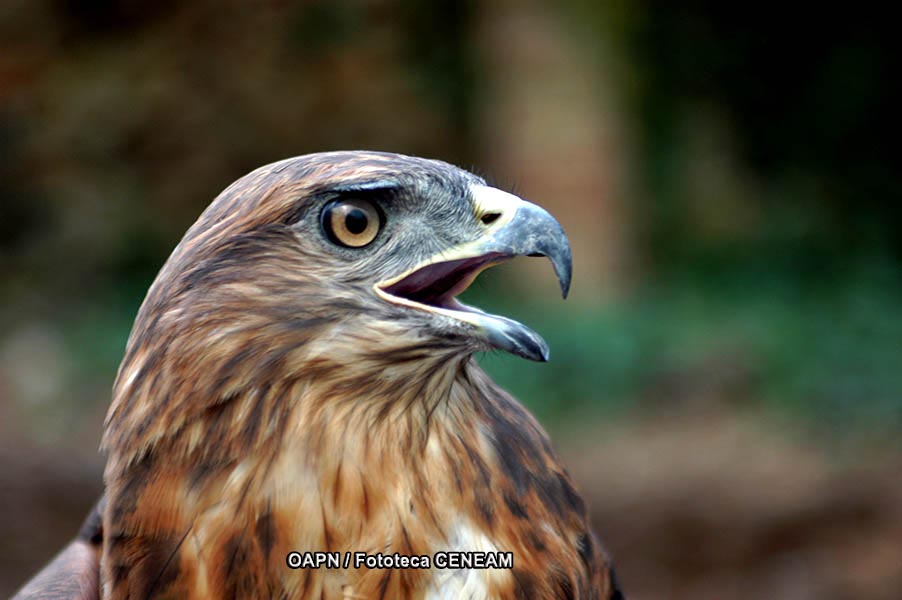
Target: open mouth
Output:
[
  {"x": 437, "y": 285},
  {"x": 434, "y": 287}
]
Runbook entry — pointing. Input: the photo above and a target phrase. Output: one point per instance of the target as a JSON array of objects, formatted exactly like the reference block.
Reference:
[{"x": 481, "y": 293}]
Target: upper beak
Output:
[
  {"x": 520, "y": 228},
  {"x": 513, "y": 227}
]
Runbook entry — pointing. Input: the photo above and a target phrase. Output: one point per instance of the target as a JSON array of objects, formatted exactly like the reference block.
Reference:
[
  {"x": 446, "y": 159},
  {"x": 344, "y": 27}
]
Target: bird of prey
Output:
[{"x": 300, "y": 378}]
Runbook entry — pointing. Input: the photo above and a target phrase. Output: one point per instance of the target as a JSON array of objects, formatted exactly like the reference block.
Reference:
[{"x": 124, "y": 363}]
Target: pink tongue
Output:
[{"x": 437, "y": 282}]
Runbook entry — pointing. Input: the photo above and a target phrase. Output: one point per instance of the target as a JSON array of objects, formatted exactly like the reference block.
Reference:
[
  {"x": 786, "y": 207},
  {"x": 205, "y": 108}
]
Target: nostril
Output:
[{"x": 489, "y": 218}]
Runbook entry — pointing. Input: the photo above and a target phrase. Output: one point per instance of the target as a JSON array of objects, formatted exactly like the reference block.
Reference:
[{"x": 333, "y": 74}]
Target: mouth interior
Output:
[{"x": 438, "y": 284}]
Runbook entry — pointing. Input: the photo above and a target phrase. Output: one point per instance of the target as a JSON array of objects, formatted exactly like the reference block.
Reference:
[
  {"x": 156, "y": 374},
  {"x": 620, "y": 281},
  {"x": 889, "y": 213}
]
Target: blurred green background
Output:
[{"x": 726, "y": 378}]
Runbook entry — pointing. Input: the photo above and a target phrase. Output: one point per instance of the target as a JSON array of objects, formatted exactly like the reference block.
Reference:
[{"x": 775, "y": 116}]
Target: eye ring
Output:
[{"x": 352, "y": 223}]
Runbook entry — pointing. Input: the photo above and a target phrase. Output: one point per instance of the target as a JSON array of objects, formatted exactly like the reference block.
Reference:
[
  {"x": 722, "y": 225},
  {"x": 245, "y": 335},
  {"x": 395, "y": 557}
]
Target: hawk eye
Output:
[{"x": 352, "y": 223}]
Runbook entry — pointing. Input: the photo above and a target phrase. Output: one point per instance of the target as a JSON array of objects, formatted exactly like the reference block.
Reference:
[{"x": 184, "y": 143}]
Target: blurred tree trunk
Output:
[{"x": 551, "y": 122}]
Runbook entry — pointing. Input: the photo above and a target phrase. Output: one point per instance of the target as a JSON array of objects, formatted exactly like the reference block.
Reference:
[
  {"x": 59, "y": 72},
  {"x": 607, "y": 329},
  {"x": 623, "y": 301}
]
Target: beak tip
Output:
[
  {"x": 540, "y": 354},
  {"x": 509, "y": 335},
  {"x": 543, "y": 353},
  {"x": 561, "y": 257},
  {"x": 564, "y": 270}
]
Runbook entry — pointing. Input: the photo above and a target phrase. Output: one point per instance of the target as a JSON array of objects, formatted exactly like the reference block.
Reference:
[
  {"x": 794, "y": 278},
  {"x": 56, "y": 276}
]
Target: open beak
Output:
[{"x": 513, "y": 227}]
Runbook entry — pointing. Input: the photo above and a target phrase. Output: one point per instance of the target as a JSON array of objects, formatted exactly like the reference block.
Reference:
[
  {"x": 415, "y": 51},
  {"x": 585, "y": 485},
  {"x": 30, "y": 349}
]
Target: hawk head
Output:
[
  {"x": 326, "y": 261},
  {"x": 372, "y": 240}
]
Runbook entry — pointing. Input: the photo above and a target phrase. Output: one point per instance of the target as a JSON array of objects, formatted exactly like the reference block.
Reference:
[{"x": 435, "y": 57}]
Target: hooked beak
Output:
[{"x": 513, "y": 227}]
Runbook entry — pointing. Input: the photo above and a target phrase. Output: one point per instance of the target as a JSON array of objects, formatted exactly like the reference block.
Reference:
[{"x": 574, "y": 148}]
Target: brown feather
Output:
[{"x": 266, "y": 404}]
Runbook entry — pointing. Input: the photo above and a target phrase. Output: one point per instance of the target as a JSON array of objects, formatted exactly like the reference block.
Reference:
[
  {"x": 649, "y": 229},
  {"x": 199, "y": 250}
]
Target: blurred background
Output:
[{"x": 726, "y": 378}]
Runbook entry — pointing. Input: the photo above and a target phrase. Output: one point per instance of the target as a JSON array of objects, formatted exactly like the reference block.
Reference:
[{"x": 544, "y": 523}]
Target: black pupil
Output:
[{"x": 356, "y": 221}]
